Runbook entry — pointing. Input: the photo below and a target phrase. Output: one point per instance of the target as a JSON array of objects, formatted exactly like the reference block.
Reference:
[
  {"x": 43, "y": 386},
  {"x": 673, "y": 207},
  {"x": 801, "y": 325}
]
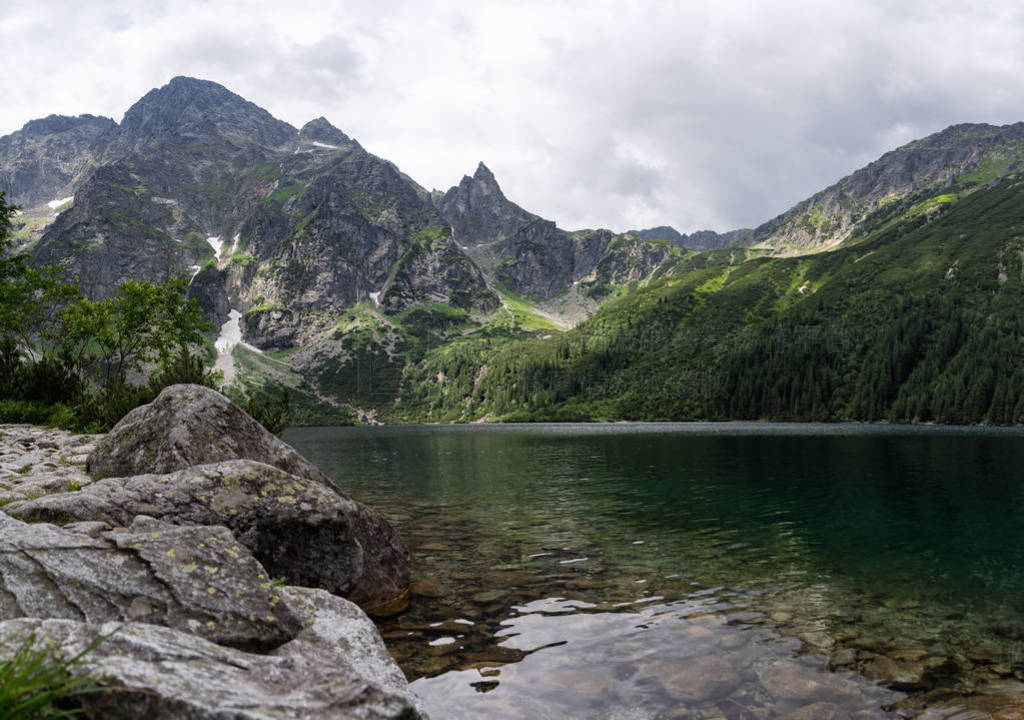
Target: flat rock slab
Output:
[
  {"x": 164, "y": 674},
  {"x": 196, "y": 579},
  {"x": 35, "y": 461},
  {"x": 297, "y": 528}
]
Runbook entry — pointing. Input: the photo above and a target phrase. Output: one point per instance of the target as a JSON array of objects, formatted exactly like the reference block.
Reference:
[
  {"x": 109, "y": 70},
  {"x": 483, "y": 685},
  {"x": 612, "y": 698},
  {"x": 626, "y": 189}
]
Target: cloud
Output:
[{"x": 592, "y": 113}]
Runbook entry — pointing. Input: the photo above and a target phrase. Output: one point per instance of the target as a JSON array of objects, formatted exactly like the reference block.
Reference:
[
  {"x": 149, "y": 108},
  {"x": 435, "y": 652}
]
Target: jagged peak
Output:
[
  {"x": 482, "y": 182},
  {"x": 484, "y": 173},
  {"x": 188, "y": 105},
  {"x": 479, "y": 210},
  {"x": 322, "y": 131}
]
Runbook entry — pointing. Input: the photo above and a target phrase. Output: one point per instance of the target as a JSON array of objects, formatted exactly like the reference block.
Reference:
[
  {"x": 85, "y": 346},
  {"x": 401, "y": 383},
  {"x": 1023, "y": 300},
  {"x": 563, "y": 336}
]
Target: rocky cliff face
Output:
[
  {"x": 42, "y": 161},
  {"x": 295, "y": 223},
  {"x": 527, "y": 255},
  {"x": 118, "y": 230}
]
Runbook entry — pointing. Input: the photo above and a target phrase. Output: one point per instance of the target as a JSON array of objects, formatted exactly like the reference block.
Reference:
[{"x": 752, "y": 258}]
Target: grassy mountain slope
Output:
[{"x": 934, "y": 170}]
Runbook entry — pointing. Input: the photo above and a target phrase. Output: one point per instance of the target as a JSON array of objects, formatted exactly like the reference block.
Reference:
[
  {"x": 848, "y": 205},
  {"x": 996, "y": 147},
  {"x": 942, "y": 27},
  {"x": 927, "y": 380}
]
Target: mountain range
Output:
[{"x": 368, "y": 295}]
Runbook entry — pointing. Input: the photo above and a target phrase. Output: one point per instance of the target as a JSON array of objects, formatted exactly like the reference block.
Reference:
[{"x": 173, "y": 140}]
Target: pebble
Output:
[
  {"x": 697, "y": 679},
  {"x": 843, "y": 657},
  {"x": 430, "y": 589},
  {"x": 489, "y": 596},
  {"x": 818, "y": 711},
  {"x": 885, "y": 670}
]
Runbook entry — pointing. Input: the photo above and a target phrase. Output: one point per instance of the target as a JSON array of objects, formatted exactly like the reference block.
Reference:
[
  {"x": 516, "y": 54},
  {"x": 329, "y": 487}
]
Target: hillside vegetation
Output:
[{"x": 917, "y": 320}]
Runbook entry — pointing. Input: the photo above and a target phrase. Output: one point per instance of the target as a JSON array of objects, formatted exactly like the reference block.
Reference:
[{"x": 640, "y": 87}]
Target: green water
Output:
[{"x": 578, "y": 570}]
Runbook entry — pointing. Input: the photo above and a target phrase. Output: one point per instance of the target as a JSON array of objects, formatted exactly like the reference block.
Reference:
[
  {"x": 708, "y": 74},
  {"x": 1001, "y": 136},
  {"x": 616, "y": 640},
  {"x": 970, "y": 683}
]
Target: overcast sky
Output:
[{"x": 593, "y": 114}]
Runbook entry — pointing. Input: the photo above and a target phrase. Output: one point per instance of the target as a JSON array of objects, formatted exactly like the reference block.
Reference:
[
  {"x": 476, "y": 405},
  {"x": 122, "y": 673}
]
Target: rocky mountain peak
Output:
[
  {"x": 188, "y": 107},
  {"x": 321, "y": 130},
  {"x": 938, "y": 169},
  {"x": 479, "y": 210},
  {"x": 484, "y": 178},
  {"x": 40, "y": 161}
]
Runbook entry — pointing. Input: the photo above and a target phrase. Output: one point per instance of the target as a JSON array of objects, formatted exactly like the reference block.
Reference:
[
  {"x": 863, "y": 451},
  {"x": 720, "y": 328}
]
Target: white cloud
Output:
[{"x": 592, "y": 113}]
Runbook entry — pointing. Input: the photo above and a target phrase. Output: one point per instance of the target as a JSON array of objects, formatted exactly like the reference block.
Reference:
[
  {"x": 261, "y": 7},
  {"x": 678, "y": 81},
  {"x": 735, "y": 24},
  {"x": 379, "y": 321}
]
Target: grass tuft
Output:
[{"x": 36, "y": 684}]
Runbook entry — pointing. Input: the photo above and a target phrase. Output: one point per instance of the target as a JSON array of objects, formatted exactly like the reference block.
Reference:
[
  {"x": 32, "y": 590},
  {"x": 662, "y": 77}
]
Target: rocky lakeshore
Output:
[{"x": 225, "y": 574}]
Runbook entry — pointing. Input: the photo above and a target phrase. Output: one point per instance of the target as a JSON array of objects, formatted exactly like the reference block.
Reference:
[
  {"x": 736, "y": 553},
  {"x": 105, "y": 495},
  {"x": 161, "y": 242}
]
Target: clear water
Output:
[{"x": 697, "y": 570}]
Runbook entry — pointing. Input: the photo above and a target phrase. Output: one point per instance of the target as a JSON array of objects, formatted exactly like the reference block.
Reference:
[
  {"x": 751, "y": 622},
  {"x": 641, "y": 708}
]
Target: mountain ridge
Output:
[
  {"x": 297, "y": 230},
  {"x": 352, "y": 280}
]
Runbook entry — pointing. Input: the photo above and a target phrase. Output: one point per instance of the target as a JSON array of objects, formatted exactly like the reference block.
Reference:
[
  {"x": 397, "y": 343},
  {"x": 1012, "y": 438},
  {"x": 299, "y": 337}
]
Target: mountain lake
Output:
[{"x": 699, "y": 570}]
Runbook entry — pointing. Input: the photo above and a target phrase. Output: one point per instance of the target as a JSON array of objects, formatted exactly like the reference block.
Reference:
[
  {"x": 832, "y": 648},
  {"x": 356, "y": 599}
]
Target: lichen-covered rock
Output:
[
  {"x": 996, "y": 706},
  {"x": 296, "y": 527},
  {"x": 163, "y": 674},
  {"x": 335, "y": 631},
  {"x": 196, "y": 579},
  {"x": 190, "y": 425}
]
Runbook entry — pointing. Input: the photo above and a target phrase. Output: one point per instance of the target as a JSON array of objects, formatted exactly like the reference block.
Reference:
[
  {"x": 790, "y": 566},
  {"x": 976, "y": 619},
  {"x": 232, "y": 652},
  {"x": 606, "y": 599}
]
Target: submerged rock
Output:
[
  {"x": 194, "y": 579},
  {"x": 980, "y": 707},
  {"x": 696, "y": 679},
  {"x": 818, "y": 711}
]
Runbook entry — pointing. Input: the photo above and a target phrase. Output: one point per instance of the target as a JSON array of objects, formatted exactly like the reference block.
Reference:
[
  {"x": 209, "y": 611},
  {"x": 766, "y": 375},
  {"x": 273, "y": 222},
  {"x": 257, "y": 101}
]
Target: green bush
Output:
[{"x": 275, "y": 414}]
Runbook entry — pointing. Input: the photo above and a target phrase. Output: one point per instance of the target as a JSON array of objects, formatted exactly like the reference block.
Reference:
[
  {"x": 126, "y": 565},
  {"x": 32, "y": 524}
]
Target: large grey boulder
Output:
[
  {"x": 189, "y": 425},
  {"x": 336, "y": 669},
  {"x": 296, "y": 527},
  {"x": 196, "y": 579}
]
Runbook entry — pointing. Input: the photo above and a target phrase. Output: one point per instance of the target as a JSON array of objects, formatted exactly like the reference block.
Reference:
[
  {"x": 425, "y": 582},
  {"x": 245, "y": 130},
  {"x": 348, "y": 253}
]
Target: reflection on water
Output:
[
  {"x": 679, "y": 660},
  {"x": 892, "y": 553}
]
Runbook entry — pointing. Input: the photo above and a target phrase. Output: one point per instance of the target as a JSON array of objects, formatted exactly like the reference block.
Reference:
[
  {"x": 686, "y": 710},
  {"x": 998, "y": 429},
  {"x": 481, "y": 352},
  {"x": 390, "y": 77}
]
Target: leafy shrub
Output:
[{"x": 275, "y": 414}]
